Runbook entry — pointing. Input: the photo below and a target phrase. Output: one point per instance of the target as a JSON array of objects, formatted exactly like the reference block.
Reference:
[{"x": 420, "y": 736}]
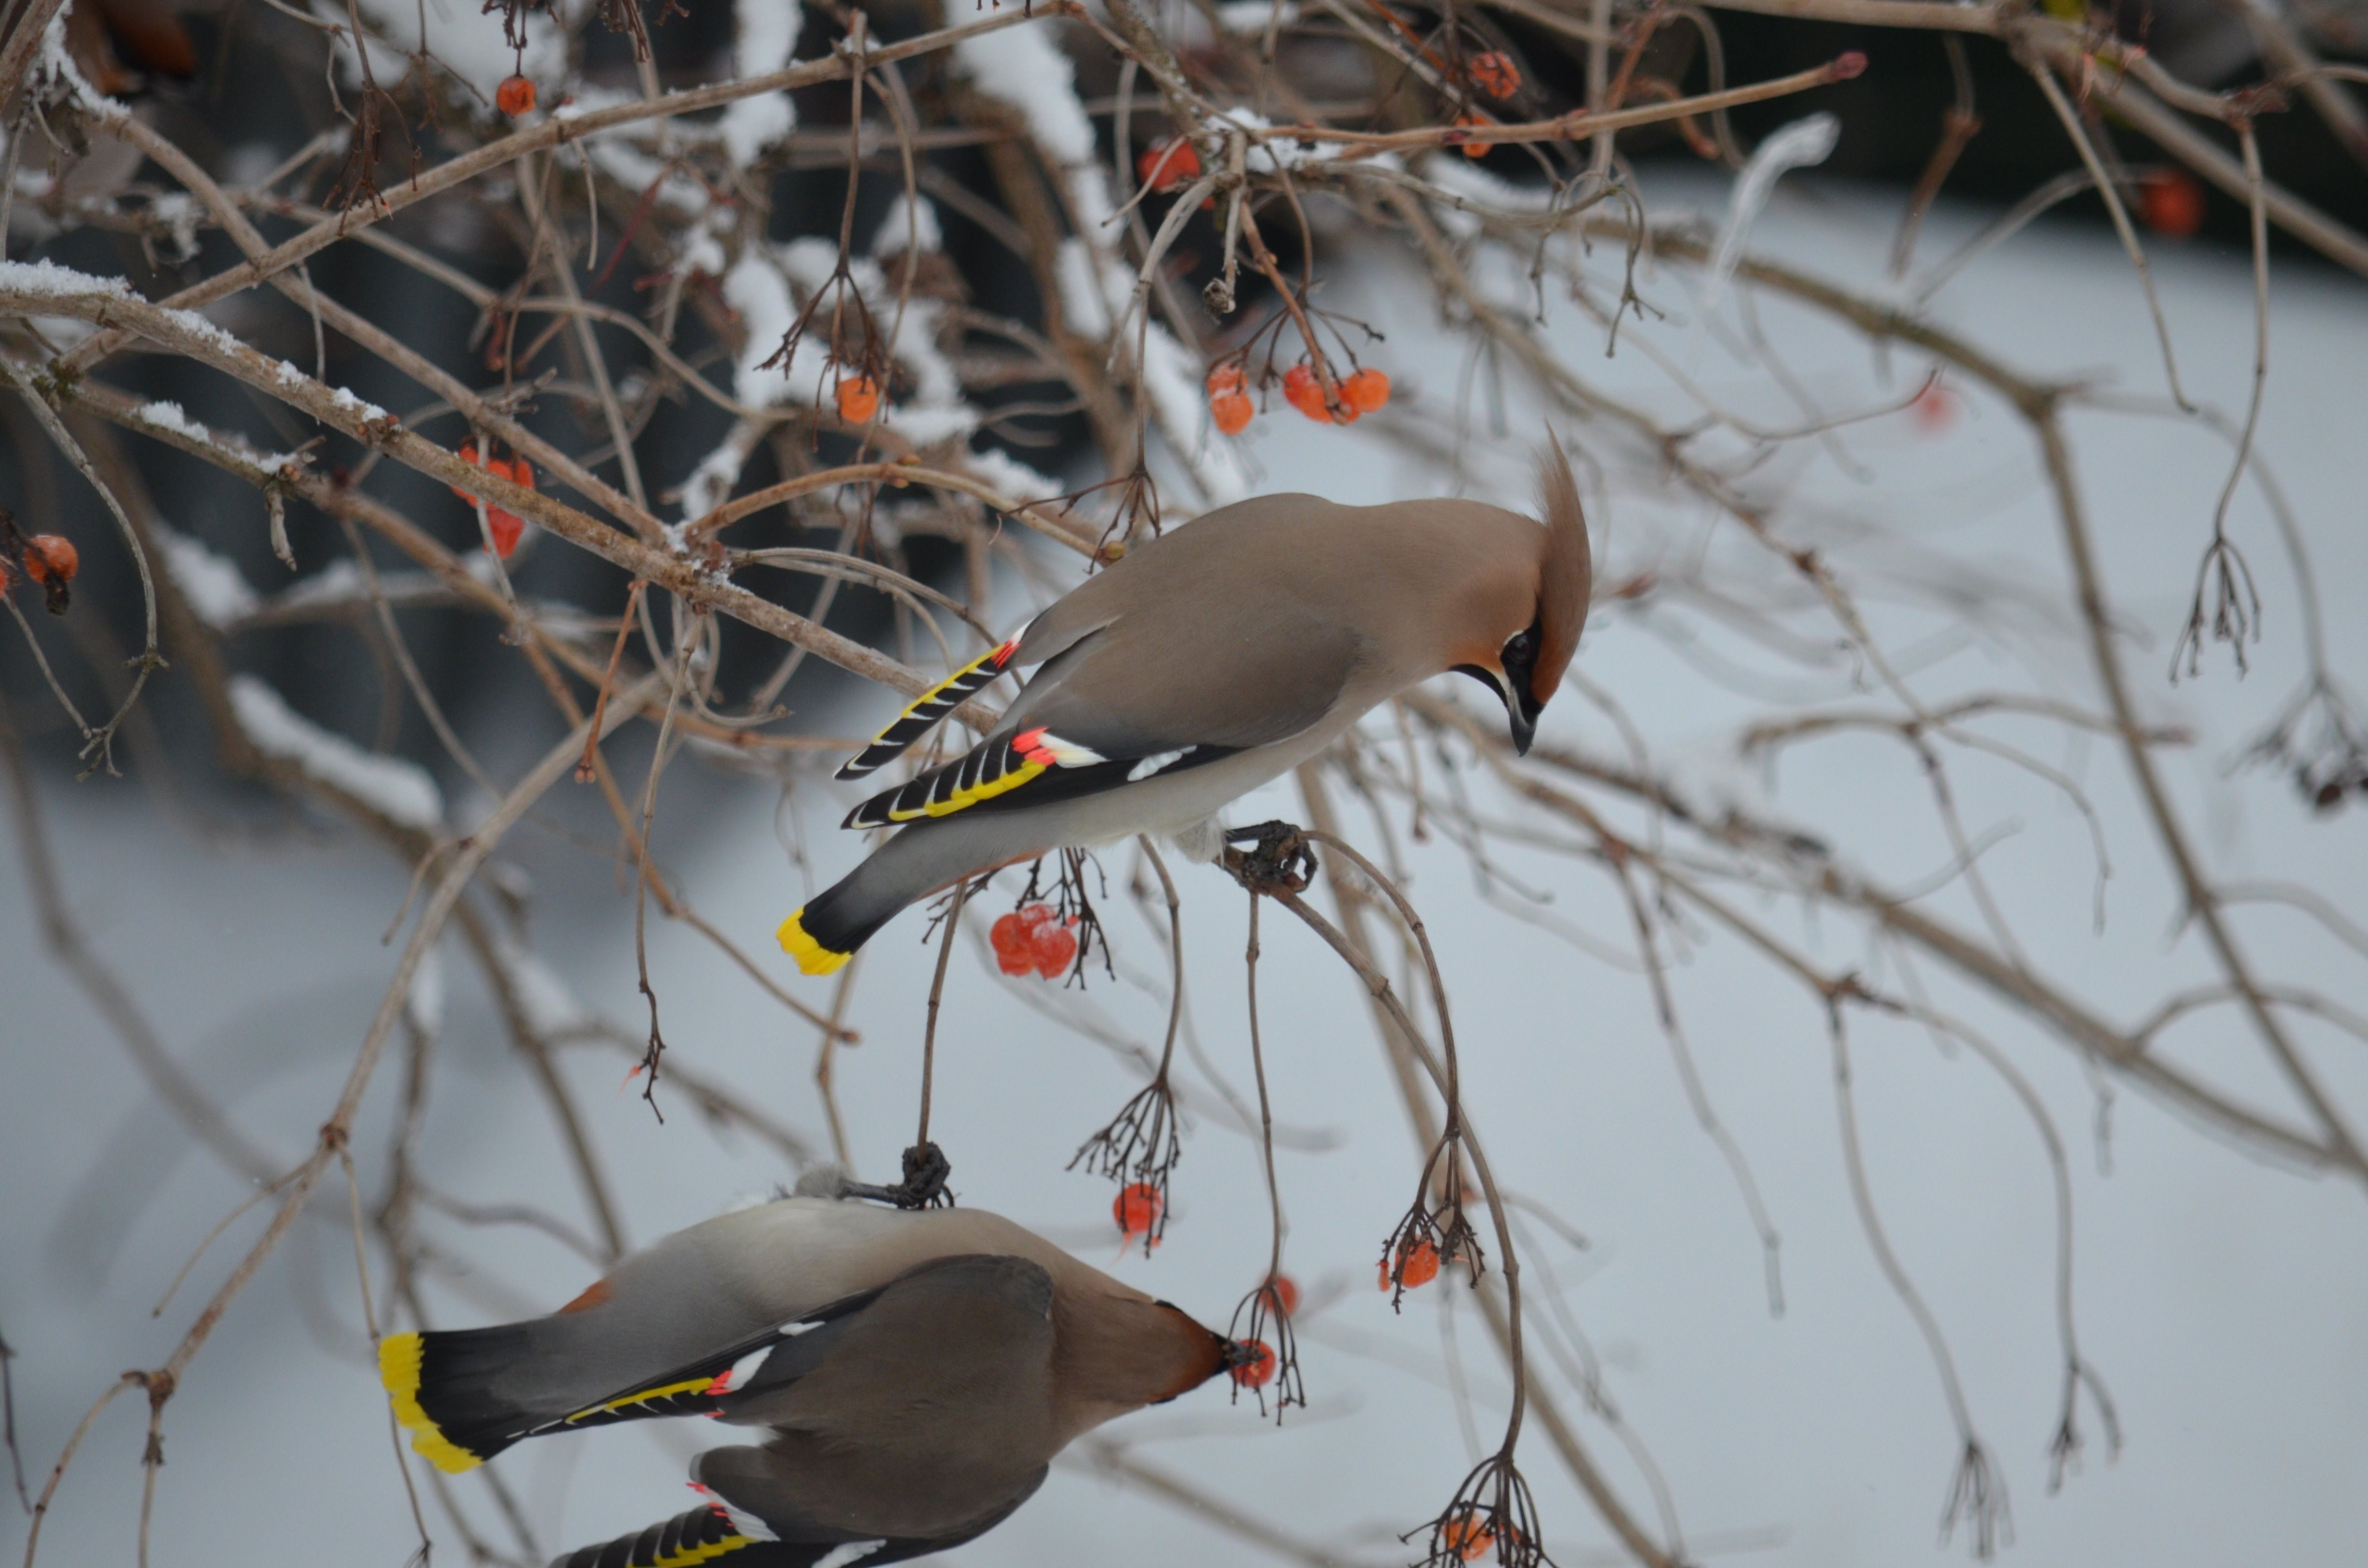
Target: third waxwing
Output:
[
  {"x": 1215, "y": 658},
  {"x": 918, "y": 1369}
]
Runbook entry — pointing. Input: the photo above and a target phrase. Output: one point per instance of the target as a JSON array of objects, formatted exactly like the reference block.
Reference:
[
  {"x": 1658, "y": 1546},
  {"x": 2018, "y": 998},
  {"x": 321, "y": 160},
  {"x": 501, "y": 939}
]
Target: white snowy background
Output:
[{"x": 2224, "y": 1300}]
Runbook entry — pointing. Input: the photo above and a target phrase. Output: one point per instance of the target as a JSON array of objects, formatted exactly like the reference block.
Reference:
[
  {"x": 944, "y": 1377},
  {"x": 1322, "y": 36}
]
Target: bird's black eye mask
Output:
[{"x": 1516, "y": 687}]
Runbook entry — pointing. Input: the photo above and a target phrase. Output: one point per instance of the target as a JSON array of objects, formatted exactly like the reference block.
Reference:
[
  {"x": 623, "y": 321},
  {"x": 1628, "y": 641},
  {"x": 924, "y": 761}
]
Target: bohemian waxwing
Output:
[
  {"x": 919, "y": 1369},
  {"x": 1218, "y": 656}
]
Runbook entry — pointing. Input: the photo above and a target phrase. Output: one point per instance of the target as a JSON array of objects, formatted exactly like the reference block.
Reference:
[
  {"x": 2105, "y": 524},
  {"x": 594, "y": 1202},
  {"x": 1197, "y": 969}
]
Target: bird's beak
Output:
[
  {"x": 1521, "y": 715},
  {"x": 1525, "y": 730}
]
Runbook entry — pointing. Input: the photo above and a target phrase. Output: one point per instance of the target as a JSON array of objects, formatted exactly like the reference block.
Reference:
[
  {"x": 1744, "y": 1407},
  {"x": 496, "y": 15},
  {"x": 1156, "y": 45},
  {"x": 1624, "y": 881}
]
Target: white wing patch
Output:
[
  {"x": 737, "y": 1374},
  {"x": 1156, "y": 763},
  {"x": 853, "y": 1552}
]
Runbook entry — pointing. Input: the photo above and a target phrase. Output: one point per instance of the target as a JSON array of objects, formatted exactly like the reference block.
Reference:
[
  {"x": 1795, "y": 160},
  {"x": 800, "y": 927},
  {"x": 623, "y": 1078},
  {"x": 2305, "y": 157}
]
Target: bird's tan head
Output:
[
  {"x": 1123, "y": 1350},
  {"x": 1540, "y": 626}
]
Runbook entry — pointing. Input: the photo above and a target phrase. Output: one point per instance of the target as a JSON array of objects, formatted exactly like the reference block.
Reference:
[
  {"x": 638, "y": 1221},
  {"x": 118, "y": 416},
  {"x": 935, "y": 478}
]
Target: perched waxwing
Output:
[
  {"x": 1218, "y": 656},
  {"x": 918, "y": 1369}
]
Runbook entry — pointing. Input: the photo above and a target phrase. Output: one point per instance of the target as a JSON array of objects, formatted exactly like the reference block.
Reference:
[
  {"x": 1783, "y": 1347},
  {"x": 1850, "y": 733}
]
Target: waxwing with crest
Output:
[{"x": 1215, "y": 658}]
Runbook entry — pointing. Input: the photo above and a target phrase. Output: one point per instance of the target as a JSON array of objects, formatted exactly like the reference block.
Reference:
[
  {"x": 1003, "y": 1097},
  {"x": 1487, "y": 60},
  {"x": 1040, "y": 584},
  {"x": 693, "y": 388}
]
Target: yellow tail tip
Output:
[
  {"x": 812, "y": 956},
  {"x": 398, "y": 1369}
]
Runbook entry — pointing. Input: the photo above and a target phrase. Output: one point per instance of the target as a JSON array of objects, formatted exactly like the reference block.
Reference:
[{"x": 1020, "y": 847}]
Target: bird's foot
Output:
[
  {"x": 1279, "y": 859},
  {"x": 924, "y": 1186}
]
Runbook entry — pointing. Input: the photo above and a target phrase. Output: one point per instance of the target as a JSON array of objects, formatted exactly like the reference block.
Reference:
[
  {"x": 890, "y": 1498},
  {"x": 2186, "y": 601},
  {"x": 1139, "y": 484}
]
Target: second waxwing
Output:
[
  {"x": 918, "y": 1370},
  {"x": 1215, "y": 658}
]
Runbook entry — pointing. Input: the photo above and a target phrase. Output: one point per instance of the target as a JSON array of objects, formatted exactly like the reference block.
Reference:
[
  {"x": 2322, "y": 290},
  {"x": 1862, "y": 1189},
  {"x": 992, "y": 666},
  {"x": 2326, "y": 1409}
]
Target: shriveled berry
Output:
[
  {"x": 1494, "y": 74},
  {"x": 1417, "y": 1265},
  {"x": 1233, "y": 412},
  {"x": 1367, "y": 392},
  {"x": 1136, "y": 1207},
  {"x": 1259, "y": 1370},
  {"x": 1472, "y": 149},
  {"x": 1467, "y": 1536},
  {"x": 515, "y": 97},
  {"x": 858, "y": 399},
  {"x": 52, "y": 556},
  {"x": 1168, "y": 163},
  {"x": 1226, "y": 378}
]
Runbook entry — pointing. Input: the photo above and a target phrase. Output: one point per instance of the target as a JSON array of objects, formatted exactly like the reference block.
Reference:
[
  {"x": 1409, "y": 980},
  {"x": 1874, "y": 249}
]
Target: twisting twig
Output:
[{"x": 1264, "y": 1312}]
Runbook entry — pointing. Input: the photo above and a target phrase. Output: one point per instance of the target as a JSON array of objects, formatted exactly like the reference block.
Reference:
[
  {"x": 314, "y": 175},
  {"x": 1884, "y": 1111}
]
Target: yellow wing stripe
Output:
[
  {"x": 398, "y": 1369},
  {"x": 812, "y": 956},
  {"x": 1001, "y": 652},
  {"x": 643, "y": 1396},
  {"x": 971, "y": 796},
  {"x": 684, "y": 1556}
]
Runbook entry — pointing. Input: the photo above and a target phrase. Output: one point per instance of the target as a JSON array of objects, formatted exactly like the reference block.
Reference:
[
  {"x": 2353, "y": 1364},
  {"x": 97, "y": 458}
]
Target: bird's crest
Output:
[{"x": 1568, "y": 576}]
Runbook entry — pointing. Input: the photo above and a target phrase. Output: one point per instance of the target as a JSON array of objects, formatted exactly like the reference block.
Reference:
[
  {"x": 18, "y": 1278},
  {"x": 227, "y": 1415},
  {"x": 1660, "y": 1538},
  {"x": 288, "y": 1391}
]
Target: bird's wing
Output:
[
  {"x": 722, "y": 1382},
  {"x": 726, "y": 1533},
  {"x": 1141, "y": 697}
]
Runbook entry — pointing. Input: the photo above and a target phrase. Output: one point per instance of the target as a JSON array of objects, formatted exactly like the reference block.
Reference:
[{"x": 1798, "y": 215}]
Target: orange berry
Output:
[
  {"x": 1467, "y": 1536},
  {"x": 1417, "y": 1265},
  {"x": 1136, "y": 1207},
  {"x": 1470, "y": 149},
  {"x": 1168, "y": 163},
  {"x": 1935, "y": 409},
  {"x": 51, "y": 555},
  {"x": 504, "y": 527},
  {"x": 1233, "y": 412},
  {"x": 1304, "y": 393},
  {"x": 515, "y": 97},
  {"x": 858, "y": 399},
  {"x": 1282, "y": 1293},
  {"x": 1259, "y": 1370},
  {"x": 2171, "y": 203},
  {"x": 1494, "y": 74},
  {"x": 1224, "y": 379},
  {"x": 1055, "y": 947},
  {"x": 1367, "y": 392}
]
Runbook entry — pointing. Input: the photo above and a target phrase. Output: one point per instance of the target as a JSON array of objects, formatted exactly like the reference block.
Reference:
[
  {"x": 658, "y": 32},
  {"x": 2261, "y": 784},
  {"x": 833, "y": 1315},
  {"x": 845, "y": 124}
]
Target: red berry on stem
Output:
[
  {"x": 1417, "y": 1265},
  {"x": 515, "y": 97},
  {"x": 1304, "y": 393},
  {"x": 1259, "y": 1370},
  {"x": 1136, "y": 1207},
  {"x": 858, "y": 399},
  {"x": 1168, "y": 163},
  {"x": 1367, "y": 392},
  {"x": 1282, "y": 1293},
  {"x": 2171, "y": 203},
  {"x": 51, "y": 555},
  {"x": 1494, "y": 74},
  {"x": 1055, "y": 947},
  {"x": 1233, "y": 412},
  {"x": 1467, "y": 1536}
]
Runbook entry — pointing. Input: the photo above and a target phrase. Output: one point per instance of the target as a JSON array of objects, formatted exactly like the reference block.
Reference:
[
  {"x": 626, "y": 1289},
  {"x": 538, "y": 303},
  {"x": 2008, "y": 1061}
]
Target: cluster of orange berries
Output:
[
  {"x": 1036, "y": 939},
  {"x": 504, "y": 527},
  {"x": 515, "y": 97},
  {"x": 1363, "y": 392},
  {"x": 859, "y": 398},
  {"x": 1494, "y": 74}
]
